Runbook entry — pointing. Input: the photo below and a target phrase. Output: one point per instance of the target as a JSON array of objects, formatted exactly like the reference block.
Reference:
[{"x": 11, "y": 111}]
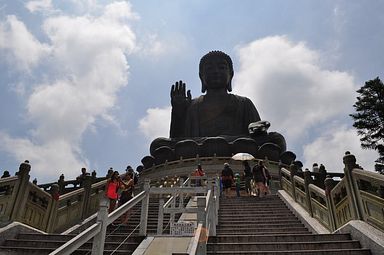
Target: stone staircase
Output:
[
  {"x": 251, "y": 225},
  {"x": 117, "y": 240}
]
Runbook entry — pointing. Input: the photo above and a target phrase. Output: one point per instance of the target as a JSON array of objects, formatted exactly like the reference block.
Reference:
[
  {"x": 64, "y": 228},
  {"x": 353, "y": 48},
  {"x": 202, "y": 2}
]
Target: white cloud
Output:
[
  {"x": 48, "y": 160},
  {"x": 289, "y": 87},
  {"x": 308, "y": 104},
  {"x": 39, "y": 5},
  {"x": 120, "y": 10},
  {"x": 156, "y": 123},
  {"x": 89, "y": 67},
  {"x": 329, "y": 149},
  {"x": 21, "y": 49},
  {"x": 154, "y": 47}
]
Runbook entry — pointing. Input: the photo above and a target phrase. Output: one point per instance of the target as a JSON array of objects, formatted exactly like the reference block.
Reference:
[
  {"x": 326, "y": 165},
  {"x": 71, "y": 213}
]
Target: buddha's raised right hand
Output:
[{"x": 179, "y": 99}]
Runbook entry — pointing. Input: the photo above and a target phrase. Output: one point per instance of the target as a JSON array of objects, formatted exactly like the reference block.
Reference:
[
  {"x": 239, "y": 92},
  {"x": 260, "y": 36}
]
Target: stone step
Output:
[
  {"x": 255, "y": 208},
  {"x": 65, "y": 238},
  {"x": 284, "y": 246},
  {"x": 262, "y": 231},
  {"x": 269, "y": 200},
  {"x": 256, "y": 222},
  {"x": 297, "y": 252},
  {"x": 226, "y": 217},
  {"x": 45, "y": 251},
  {"x": 44, "y": 244},
  {"x": 278, "y": 238},
  {"x": 263, "y": 226},
  {"x": 53, "y": 244},
  {"x": 266, "y": 226}
]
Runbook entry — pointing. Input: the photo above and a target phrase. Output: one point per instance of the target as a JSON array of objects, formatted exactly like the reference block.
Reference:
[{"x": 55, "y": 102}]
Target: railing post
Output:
[
  {"x": 280, "y": 175},
  {"x": 22, "y": 193},
  {"x": 201, "y": 218},
  {"x": 307, "y": 181},
  {"x": 144, "y": 209},
  {"x": 160, "y": 217},
  {"x": 211, "y": 217},
  {"x": 329, "y": 184},
  {"x": 102, "y": 218},
  {"x": 217, "y": 199},
  {"x": 53, "y": 208},
  {"x": 293, "y": 170},
  {"x": 349, "y": 161},
  {"x": 173, "y": 205},
  {"x": 181, "y": 195},
  {"x": 87, "y": 184}
]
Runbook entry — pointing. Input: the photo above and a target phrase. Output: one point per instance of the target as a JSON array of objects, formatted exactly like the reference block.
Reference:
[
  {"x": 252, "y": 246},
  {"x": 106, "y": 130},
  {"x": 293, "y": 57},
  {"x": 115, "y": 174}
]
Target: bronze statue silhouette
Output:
[{"x": 217, "y": 122}]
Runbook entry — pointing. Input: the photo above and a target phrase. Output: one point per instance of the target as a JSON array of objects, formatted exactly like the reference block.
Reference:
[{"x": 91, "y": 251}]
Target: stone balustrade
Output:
[
  {"x": 50, "y": 207},
  {"x": 358, "y": 195}
]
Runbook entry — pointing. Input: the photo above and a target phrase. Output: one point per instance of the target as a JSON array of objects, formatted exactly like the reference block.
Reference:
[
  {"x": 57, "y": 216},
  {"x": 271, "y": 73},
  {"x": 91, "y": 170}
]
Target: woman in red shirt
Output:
[{"x": 111, "y": 188}]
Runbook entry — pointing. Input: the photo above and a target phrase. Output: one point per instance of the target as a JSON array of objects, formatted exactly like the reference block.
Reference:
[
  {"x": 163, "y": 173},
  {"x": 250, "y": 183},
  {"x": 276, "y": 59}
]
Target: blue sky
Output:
[{"x": 86, "y": 83}]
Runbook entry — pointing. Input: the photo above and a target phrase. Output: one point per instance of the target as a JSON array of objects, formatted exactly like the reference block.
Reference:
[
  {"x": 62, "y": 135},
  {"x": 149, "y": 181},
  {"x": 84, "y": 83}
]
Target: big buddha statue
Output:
[{"x": 217, "y": 122}]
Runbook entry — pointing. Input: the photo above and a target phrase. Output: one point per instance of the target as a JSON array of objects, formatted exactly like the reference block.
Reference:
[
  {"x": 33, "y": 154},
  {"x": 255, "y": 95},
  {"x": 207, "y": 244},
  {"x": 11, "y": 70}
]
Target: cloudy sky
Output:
[{"x": 85, "y": 83}]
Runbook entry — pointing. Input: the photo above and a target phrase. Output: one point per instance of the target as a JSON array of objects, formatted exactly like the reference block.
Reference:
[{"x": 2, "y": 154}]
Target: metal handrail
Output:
[
  {"x": 97, "y": 228},
  {"x": 77, "y": 241}
]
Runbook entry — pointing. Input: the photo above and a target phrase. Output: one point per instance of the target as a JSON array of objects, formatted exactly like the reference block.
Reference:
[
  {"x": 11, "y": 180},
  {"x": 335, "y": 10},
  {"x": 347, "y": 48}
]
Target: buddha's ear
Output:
[
  {"x": 229, "y": 87},
  {"x": 203, "y": 86}
]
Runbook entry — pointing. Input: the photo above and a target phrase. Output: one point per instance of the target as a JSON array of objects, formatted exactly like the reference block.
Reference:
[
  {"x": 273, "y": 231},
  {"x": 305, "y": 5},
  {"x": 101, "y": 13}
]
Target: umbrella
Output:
[{"x": 243, "y": 156}]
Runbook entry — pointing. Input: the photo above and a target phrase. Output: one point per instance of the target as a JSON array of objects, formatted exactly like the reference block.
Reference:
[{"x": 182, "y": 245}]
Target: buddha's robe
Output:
[{"x": 230, "y": 117}]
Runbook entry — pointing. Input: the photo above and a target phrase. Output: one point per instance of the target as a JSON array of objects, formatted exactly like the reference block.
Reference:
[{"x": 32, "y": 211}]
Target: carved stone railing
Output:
[
  {"x": 8, "y": 192},
  {"x": 66, "y": 186},
  {"x": 341, "y": 203},
  {"x": 212, "y": 166},
  {"x": 47, "y": 210},
  {"x": 370, "y": 190},
  {"x": 359, "y": 195}
]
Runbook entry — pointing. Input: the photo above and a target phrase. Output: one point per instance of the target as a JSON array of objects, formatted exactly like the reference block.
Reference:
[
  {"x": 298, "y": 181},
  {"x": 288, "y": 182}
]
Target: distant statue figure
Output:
[
  {"x": 5, "y": 174},
  {"x": 217, "y": 121}
]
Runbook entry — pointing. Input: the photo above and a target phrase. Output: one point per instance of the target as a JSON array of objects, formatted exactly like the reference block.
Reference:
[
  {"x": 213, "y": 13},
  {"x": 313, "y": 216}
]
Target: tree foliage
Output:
[{"x": 369, "y": 116}]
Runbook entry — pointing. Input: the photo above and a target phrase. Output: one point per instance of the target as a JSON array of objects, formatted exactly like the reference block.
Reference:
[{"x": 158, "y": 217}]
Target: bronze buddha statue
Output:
[{"x": 216, "y": 122}]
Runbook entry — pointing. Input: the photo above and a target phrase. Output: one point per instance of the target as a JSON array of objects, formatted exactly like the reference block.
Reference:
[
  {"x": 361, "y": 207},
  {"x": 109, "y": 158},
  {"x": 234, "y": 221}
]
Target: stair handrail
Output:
[
  {"x": 171, "y": 202},
  {"x": 194, "y": 247},
  {"x": 207, "y": 217},
  {"x": 206, "y": 210},
  {"x": 359, "y": 195},
  {"x": 77, "y": 241},
  {"x": 98, "y": 230},
  {"x": 174, "y": 196}
]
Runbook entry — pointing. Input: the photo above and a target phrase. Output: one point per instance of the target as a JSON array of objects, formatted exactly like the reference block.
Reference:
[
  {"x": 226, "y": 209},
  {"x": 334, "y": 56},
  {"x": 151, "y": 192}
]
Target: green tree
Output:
[{"x": 369, "y": 116}]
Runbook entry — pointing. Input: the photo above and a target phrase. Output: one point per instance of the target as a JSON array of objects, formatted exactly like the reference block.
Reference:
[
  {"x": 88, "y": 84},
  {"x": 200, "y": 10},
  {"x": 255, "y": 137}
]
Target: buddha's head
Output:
[{"x": 216, "y": 71}]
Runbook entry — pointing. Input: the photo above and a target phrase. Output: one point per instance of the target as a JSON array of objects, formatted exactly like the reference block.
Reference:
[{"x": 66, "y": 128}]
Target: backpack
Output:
[{"x": 267, "y": 174}]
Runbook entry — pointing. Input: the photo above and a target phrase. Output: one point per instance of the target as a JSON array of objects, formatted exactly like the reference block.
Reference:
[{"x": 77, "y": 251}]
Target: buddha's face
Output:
[{"x": 216, "y": 73}]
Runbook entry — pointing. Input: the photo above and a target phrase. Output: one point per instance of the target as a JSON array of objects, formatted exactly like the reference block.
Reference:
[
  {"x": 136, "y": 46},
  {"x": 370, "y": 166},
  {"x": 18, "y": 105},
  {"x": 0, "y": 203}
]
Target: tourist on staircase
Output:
[
  {"x": 111, "y": 189},
  {"x": 199, "y": 172},
  {"x": 227, "y": 179},
  {"x": 260, "y": 179},
  {"x": 237, "y": 183},
  {"x": 127, "y": 186},
  {"x": 247, "y": 177},
  {"x": 82, "y": 176}
]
